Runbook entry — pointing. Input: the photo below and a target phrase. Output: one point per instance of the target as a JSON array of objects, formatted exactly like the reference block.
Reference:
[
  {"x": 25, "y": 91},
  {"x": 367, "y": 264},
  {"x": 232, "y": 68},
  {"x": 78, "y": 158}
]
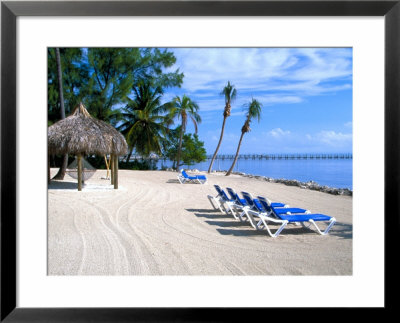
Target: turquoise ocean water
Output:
[{"x": 337, "y": 173}]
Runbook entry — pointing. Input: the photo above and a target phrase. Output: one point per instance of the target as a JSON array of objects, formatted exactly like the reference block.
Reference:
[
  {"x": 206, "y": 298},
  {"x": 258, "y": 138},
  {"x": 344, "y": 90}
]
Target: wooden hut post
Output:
[
  {"x": 112, "y": 168},
  {"x": 108, "y": 167},
  {"x": 79, "y": 157},
  {"x": 115, "y": 172}
]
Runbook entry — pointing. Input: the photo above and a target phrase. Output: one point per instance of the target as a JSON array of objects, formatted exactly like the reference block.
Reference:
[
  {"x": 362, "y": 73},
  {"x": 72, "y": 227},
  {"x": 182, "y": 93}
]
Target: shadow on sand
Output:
[
  {"x": 62, "y": 185},
  {"x": 341, "y": 230},
  {"x": 174, "y": 181}
]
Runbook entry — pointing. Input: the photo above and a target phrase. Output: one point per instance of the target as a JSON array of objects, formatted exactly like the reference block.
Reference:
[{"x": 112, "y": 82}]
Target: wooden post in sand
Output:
[
  {"x": 112, "y": 168},
  {"x": 79, "y": 159},
  {"x": 115, "y": 172},
  {"x": 108, "y": 167}
]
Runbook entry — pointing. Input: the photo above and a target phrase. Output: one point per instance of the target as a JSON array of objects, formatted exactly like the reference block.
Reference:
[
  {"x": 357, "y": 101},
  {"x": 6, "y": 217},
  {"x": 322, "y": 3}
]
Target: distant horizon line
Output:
[
  {"x": 266, "y": 156},
  {"x": 294, "y": 153}
]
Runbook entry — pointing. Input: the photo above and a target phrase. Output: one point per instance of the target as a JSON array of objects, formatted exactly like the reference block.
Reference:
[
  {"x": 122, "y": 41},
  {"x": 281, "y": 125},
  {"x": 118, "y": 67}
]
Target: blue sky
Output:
[{"x": 306, "y": 97}]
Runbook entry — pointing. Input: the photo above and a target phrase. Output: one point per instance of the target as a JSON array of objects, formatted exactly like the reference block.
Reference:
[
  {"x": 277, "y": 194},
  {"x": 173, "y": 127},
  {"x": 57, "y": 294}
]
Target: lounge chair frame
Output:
[
  {"x": 183, "y": 177},
  {"x": 222, "y": 202},
  {"x": 265, "y": 217}
]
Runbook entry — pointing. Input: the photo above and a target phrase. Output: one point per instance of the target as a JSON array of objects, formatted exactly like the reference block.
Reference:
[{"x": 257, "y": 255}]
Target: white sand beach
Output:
[{"x": 153, "y": 225}]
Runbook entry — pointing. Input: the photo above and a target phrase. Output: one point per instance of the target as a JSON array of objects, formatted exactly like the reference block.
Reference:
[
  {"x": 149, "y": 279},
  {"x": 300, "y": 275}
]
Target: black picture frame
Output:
[{"x": 10, "y": 10}]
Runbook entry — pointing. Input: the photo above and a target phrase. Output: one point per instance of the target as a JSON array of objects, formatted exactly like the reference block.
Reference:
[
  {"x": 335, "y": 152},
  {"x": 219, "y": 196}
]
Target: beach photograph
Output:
[{"x": 200, "y": 161}]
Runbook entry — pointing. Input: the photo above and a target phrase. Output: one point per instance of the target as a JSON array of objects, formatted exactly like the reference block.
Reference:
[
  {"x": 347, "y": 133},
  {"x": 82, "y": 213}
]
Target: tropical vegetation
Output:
[
  {"x": 144, "y": 121},
  {"x": 124, "y": 87},
  {"x": 183, "y": 108},
  {"x": 192, "y": 150}
]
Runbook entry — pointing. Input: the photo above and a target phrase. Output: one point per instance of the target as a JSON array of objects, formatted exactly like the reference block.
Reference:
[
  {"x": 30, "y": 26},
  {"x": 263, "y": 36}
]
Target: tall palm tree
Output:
[
  {"x": 253, "y": 111},
  {"x": 61, "y": 172},
  {"x": 182, "y": 109},
  {"x": 229, "y": 92},
  {"x": 145, "y": 121}
]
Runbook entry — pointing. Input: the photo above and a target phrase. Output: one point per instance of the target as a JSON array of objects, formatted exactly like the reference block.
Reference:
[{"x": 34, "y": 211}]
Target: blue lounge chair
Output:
[
  {"x": 216, "y": 201},
  {"x": 240, "y": 204},
  {"x": 183, "y": 177},
  {"x": 236, "y": 197},
  {"x": 272, "y": 209},
  {"x": 223, "y": 202},
  {"x": 263, "y": 206},
  {"x": 253, "y": 210}
]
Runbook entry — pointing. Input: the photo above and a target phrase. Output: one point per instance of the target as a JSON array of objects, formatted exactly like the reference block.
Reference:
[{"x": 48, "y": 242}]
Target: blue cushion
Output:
[
  {"x": 277, "y": 204},
  {"x": 304, "y": 217},
  {"x": 242, "y": 201},
  {"x": 285, "y": 210},
  {"x": 258, "y": 205},
  {"x": 197, "y": 177}
]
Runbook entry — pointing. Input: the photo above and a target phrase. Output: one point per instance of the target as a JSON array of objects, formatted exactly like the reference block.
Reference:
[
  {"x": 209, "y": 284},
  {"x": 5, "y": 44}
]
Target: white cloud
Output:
[
  {"x": 278, "y": 133},
  {"x": 308, "y": 71},
  {"x": 332, "y": 138}
]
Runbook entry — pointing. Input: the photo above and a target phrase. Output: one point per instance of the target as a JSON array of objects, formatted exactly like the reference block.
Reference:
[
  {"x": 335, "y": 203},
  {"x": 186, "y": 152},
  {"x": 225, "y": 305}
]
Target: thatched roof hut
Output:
[{"x": 80, "y": 134}]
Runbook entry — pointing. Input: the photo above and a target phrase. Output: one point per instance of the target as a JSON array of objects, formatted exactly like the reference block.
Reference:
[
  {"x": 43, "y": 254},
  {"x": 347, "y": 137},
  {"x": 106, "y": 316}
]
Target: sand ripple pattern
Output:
[{"x": 153, "y": 225}]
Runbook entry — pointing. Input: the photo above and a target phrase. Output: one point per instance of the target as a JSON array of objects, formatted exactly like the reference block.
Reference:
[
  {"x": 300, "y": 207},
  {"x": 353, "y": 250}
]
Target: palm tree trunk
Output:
[
  {"x": 128, "y": 158},
  {"x": 236, "y": 157},
  {"x": 219, "y": 144},
  {"x": 178, "y": 159},
  {"x": 61, "y": 172}
]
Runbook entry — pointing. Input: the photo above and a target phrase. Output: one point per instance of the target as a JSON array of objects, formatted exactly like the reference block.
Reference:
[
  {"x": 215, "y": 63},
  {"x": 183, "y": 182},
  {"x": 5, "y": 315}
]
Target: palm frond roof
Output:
[{"x": 80, "y": 133}]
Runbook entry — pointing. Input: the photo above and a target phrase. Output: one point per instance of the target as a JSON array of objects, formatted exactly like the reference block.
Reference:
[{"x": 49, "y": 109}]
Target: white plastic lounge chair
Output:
[
  {"x": 240, "y": 204},
  {"x": 216, "y": 201},
  {"x": 272, "y": 210},
  {"x": 250, "y": 210},
  {"x": 223, "y": 202},
  {"x": 264, "y": 208},
  {"x": 183, "y": 177},
  {"x": 236, "y": 197}
]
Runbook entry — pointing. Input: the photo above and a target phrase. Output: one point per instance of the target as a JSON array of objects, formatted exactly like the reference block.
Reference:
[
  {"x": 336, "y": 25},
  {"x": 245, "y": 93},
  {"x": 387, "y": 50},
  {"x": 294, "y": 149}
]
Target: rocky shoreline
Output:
[{"x": 311, "y": 185}]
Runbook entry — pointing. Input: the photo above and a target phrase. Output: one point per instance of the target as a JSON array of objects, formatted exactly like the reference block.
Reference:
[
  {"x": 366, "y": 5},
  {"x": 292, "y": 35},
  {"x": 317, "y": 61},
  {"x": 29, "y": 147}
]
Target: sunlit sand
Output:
[{"x": 153, "y": 225}]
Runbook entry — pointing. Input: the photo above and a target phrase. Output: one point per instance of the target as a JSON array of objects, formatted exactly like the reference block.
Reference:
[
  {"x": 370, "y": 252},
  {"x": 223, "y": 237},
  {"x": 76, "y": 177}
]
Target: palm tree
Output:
[
  {"x": 144, "y": 121},
  {"x": 184, "y": 108},
  {"x": 229, "y": 92},
  {"x": 253, "y": 111},
  {"x": 61, "y": 172}
]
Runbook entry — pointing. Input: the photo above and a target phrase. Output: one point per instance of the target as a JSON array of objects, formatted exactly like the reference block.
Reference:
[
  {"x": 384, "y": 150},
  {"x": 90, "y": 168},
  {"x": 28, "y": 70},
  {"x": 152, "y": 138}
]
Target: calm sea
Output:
[{"x": 337, "y": 173}]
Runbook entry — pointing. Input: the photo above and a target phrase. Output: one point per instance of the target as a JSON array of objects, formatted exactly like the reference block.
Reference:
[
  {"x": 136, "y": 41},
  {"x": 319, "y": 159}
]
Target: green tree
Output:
[
  {"x": 170, "y": 145},
  {"x": 115, "y": 71},
  {"x": 229, "y": 92},
  {"x": 183, "y": 109},
  {"x": 253, "y": 112},
  {"x": 145, "y": 121},
  {"x": 75, "y": 76},
  {"x": 61, "y": 172},
  {"x": 103, "y": 78},
  {"x": 193, "y": 150}
]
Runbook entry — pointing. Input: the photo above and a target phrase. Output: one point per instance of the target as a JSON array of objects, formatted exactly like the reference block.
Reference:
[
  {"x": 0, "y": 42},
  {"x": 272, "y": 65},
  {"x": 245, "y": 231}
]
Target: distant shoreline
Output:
[{"x": 311, "y": 185}]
